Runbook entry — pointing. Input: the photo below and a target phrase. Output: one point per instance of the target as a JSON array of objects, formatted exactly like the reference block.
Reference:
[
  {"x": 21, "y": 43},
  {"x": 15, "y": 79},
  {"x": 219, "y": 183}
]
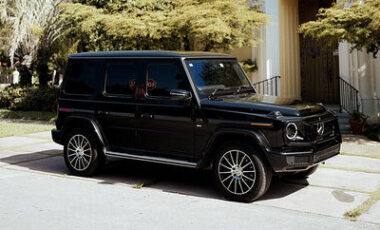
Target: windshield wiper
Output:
[
  {"x": 241, "y": 88},
  {"x": 212, "y": 95}
]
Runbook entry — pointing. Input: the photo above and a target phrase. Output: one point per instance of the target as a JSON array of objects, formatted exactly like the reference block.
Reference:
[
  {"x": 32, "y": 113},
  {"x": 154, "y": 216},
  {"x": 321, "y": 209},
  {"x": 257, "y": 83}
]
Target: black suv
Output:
[{"x": 196, "y": 110}]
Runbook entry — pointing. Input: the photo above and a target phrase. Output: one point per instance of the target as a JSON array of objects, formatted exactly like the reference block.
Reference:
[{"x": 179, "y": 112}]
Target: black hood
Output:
[{"x": 258, "y": 104}]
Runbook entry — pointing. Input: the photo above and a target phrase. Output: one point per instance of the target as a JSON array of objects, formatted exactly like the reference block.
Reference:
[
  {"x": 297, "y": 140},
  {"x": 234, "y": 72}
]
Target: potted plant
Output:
[{"x": 357, "y": 122}]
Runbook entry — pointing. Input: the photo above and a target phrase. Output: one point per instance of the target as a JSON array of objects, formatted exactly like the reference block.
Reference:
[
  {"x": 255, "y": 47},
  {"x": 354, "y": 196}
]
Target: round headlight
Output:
[{"x": 291, "y": 131}]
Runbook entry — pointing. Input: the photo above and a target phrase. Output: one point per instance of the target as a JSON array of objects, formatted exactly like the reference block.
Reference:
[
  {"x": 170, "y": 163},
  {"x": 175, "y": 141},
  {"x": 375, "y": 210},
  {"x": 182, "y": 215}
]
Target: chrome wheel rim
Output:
[
  {"x": 237, "y": 172},
  {"x": 79, "y": 152}
]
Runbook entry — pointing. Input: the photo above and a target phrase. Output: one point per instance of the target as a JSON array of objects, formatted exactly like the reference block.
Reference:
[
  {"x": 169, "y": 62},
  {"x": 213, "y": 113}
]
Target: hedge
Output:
[{"x": 29, "y": 98}]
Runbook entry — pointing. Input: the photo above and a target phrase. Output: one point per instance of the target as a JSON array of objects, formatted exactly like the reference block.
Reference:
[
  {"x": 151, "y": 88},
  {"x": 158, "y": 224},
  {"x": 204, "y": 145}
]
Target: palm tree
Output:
[{"x": 35, "y": 25}]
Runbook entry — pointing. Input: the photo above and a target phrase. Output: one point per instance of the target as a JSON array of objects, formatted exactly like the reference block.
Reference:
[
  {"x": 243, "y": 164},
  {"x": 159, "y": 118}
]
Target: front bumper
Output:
[
  {"x": 57, "y": 136},
  {"x": 300, "y": 160}
]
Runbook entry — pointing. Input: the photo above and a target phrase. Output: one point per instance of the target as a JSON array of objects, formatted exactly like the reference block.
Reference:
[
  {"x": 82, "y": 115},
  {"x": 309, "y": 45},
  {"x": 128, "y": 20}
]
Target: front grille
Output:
[
  {"x": 326, "y": 153},
  {"x": 328, "y": 130},
  {"x": 313, "y": 129}
]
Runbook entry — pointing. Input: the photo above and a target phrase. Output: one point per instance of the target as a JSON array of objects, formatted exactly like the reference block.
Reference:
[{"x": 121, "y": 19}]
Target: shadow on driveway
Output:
[{"x": 143, "y": 174}]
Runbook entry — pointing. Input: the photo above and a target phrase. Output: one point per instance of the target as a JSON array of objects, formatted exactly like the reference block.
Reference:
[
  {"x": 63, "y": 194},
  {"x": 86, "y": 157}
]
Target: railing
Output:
[
  {"x": 269, "y": 86},
  {"x": 349, "y": 97}
]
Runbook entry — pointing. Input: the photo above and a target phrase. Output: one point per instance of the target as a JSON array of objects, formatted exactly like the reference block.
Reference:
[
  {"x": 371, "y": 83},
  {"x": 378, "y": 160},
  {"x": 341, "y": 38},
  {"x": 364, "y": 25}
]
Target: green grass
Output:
[
  {"x": 365, "y": 206},
  {"x": 27, "y": 115},
  {"x": 15, "y": 128}
]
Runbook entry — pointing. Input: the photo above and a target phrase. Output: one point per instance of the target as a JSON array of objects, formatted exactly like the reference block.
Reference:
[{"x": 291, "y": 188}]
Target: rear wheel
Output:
[
  {"x": 240, "y": 173},
  {"x": 81, "y": 153}
]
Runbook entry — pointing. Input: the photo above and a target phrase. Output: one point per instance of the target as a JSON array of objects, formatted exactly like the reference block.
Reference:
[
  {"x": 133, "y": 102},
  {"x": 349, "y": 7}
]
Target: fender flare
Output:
[
  {"x": 89, "y": 120},
  {"x": 256, "y": 135}
]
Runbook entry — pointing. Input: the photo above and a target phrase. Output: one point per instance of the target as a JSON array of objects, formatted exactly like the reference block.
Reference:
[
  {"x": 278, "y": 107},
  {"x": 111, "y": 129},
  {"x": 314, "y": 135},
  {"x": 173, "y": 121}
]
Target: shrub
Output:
[{"x": 29, "y": 98}]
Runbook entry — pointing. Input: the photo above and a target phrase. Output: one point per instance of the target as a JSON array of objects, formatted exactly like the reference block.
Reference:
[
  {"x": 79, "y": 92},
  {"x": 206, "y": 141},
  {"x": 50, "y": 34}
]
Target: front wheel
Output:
[{"x": 240, "y": 173}]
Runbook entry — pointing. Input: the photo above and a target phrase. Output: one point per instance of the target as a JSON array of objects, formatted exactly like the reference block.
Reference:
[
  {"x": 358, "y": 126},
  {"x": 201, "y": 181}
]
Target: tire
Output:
[
  {"x": 81, "y": 153},
  {"x": 246, "y": 177},
  {"x": 305, "y": 174}
]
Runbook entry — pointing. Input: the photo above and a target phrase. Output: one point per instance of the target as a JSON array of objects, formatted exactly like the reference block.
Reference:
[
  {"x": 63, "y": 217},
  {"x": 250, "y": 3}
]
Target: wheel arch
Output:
[
  {"x": 254, "y": 137},
  {"x": 84, "y": 122}
]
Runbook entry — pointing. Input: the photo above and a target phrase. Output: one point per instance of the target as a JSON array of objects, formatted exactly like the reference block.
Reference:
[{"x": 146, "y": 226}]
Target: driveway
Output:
[{"x": 37, "y": 192}]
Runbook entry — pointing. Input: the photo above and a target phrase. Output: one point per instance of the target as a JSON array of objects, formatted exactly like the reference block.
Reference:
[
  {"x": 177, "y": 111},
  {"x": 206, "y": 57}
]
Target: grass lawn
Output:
[
  {"x": 19, "y": 128},
  {"x": 27, "y": 115}
]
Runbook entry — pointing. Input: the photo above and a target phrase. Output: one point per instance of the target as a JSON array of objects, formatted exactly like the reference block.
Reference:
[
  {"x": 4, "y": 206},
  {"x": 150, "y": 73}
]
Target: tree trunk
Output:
[
  {"x": 43, "y": 56},
  {"x": 25, "y": 75},
  {"x": 42, "y": 71},
  {"x": 208, "y": 47},
  {"x": 186, "y": 42}
]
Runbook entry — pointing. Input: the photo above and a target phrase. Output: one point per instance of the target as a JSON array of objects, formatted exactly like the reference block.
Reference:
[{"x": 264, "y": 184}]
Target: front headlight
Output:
[{"x": 292, "y": 132}]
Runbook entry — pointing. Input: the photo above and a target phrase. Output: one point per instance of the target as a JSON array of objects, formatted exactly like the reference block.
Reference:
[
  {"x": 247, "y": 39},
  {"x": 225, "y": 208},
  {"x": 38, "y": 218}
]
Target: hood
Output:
[{"x": 261, "y": 104}]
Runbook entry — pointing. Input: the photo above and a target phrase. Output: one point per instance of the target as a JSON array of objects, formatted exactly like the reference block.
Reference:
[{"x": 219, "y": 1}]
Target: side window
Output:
[
  {"x": 163, "y": 77},
  {"x": 121, "y": 78},
  {"x": 81, "y": 77}
]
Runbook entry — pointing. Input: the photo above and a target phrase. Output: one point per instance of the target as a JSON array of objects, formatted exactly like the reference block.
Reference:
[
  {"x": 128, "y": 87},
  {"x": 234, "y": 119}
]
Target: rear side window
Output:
[
  {"x": 163, "y": 77},
  {"x": 121, "y": 78},
  {"x": 81, "y": 77}
]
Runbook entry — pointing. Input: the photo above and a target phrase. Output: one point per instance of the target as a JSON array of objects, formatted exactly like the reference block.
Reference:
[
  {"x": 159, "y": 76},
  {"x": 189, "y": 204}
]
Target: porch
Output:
[{"x": 341, "y": 79}]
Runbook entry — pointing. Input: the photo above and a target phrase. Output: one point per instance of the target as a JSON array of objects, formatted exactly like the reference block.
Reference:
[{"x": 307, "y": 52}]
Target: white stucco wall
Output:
[
  {"x": 278, "y": 54},
  {"x": 362, "y": 71}
]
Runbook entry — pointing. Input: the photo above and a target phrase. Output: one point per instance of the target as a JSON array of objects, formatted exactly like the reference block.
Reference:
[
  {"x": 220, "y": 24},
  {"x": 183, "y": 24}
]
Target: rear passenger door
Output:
[
  {"x": 166, "y": 126},
  {"x": 117, "y": 111}
]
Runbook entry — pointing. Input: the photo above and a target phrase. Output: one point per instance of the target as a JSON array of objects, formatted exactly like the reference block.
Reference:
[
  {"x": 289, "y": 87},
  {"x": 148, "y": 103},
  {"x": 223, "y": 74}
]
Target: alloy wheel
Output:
[
  {"x": 237, "y": 172},
  {"x": 79, "y": 152}
]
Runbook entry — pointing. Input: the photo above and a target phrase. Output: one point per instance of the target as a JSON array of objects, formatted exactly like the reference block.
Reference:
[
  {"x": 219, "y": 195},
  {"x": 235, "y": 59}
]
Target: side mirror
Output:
[{"x": 180, "y": 95}]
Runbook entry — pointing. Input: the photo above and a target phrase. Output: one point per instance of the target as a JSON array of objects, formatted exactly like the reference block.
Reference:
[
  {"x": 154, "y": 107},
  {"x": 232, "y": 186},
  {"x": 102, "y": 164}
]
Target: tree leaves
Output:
[
  {"x": 163, "y": 24},
  {"x": 357, "y": 22}
]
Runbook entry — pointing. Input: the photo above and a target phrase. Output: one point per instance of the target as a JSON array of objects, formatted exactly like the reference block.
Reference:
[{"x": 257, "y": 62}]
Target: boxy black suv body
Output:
[{"x": 195, "y": 110}]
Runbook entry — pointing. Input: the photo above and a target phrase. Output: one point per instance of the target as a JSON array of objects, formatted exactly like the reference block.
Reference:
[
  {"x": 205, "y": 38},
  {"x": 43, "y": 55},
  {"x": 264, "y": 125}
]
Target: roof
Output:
[{"x": 147, "y": 54}]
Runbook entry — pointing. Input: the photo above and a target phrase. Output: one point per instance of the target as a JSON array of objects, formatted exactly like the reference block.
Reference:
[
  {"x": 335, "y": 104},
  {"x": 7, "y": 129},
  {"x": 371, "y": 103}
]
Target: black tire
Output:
[
  {"x": 305, "y": 174},
  {"x": 247, "y": 192},
  {"x": 94, "y": 162}
]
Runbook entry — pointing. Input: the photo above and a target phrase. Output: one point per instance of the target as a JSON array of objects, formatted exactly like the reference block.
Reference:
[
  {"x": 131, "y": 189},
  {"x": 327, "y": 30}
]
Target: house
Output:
[{"x": 341, "y": 79}]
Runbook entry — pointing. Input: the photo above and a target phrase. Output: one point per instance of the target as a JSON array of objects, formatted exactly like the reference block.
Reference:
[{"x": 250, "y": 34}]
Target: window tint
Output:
[
  {"x": 121, "y": 78},
  {"x": 163, "y": 77},
  {"x": 81, "y": 77}
]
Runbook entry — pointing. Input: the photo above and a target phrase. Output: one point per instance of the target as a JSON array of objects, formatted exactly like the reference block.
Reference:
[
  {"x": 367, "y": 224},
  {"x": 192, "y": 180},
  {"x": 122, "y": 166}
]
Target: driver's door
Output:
[{"x": 166, "y": 125}]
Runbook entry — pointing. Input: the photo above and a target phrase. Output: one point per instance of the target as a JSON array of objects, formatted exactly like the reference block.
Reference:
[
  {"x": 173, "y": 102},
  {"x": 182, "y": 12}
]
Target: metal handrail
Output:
[
  {"x": 268, "y": 86},
  {"x": 348, "y": 96}
]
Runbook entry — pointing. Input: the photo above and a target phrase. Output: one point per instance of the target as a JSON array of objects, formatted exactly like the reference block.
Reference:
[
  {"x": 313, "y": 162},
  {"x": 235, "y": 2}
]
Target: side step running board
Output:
[{"x": 160, "y": 160}]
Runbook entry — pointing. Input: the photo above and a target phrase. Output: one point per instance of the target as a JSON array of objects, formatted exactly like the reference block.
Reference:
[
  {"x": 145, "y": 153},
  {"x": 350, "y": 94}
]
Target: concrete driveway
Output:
[{"x": 36, "y": 192}]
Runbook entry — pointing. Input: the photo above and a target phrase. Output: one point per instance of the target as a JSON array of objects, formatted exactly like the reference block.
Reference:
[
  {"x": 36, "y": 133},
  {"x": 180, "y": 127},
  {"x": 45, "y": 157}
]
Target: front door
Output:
[
  {"x": 319, "y": 67},
  {"x": 166, "y": 126}
]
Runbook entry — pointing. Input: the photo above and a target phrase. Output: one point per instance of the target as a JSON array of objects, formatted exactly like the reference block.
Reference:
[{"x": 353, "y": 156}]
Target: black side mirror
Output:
[{"x": 180, "y": 95}]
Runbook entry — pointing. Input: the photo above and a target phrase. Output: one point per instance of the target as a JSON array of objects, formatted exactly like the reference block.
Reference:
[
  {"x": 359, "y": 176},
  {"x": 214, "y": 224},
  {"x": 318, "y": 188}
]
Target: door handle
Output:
[
  {"x": 146, "y": 116},
  {"x": 103, "y": 112}
]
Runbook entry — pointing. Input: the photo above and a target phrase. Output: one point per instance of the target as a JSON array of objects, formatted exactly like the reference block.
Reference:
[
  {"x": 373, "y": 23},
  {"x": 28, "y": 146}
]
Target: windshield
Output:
[{"x": 218, "y": 76}]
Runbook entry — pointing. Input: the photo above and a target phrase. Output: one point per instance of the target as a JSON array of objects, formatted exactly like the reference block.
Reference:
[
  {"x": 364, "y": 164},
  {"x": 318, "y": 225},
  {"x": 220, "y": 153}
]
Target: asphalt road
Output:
[{"x": 37, "y": 193}]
